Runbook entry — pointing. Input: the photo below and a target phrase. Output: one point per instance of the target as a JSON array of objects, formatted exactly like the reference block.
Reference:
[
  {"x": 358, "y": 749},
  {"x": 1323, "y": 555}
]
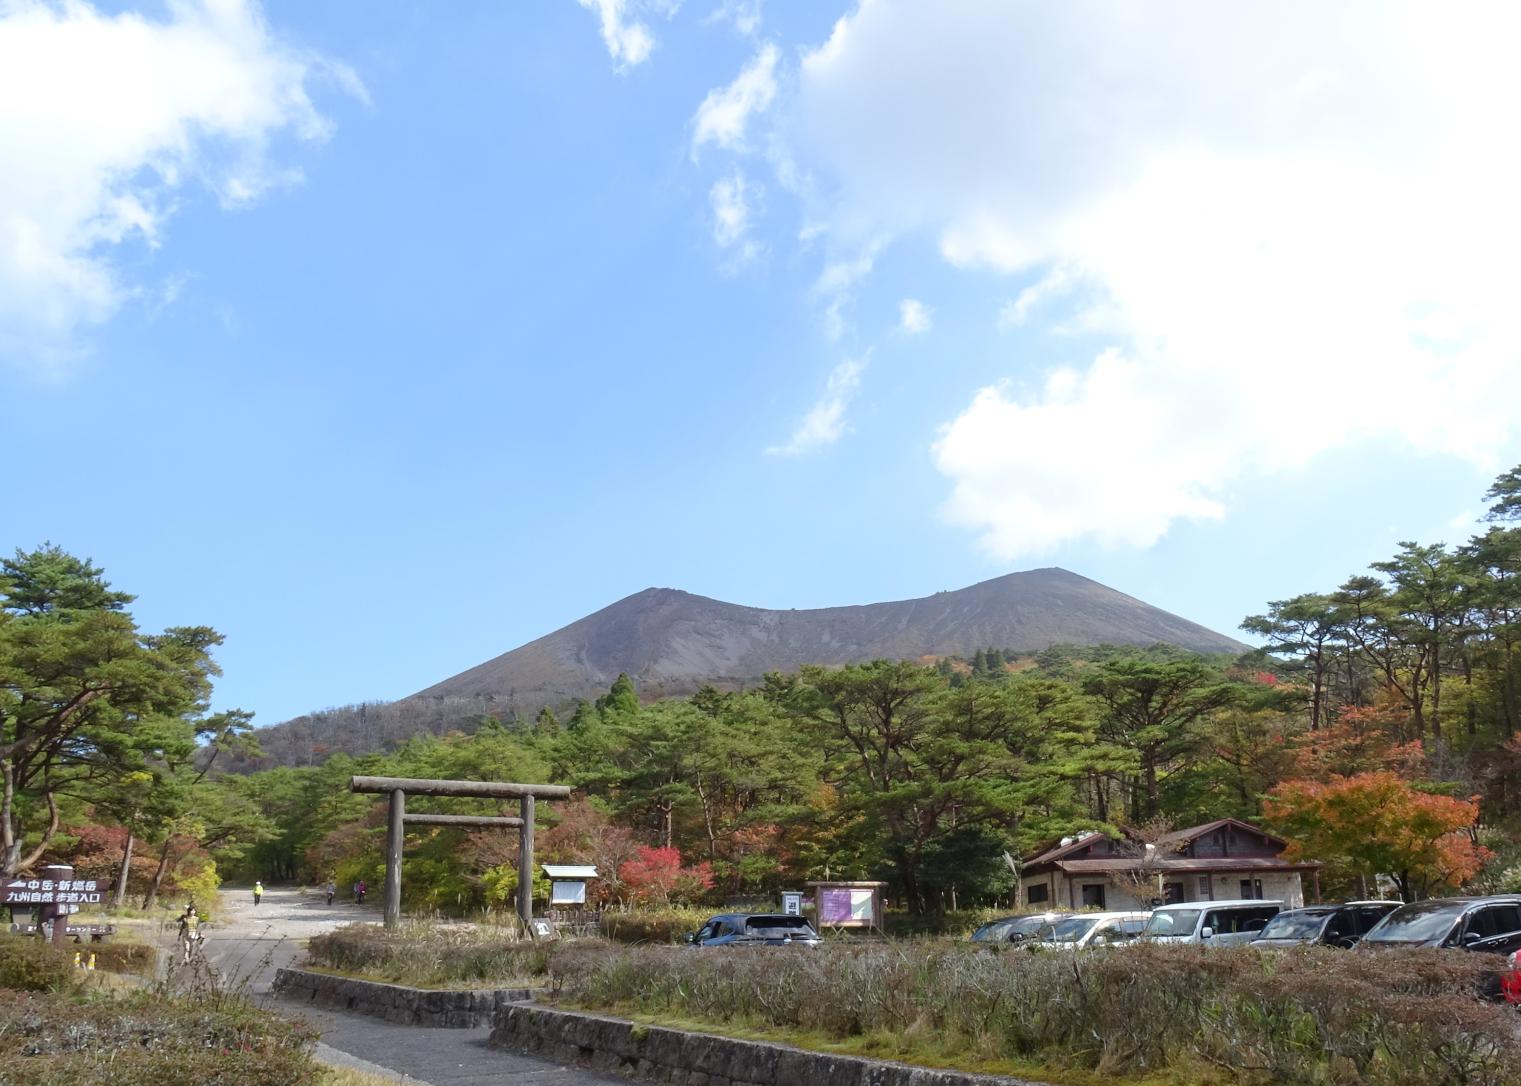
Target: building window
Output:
[
  {"x": 1172, "y": 893},
  {"x": 1034, "y": 895},
  {"x": 1251, "y": 888},
  {"x": 1204, "y": 887},
  {"x": 1093, "y": 896}
]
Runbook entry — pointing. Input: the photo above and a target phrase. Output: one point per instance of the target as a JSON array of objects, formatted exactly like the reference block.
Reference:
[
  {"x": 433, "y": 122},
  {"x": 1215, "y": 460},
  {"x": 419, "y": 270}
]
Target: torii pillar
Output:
[{"x": 399, "y": 787}]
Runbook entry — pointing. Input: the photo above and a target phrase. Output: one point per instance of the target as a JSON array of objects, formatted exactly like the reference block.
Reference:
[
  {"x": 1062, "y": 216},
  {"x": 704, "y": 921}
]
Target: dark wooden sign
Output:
[{"x": 53, "y": 891}]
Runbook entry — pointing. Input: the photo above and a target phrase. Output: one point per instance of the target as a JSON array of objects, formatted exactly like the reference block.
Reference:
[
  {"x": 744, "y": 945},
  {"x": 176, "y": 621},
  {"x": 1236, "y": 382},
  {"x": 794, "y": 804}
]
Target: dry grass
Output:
[
  {"x": 348, "y": 1076},
  {"x": 427, "y": 956},
  {"x": 1313, "y": 1018}
]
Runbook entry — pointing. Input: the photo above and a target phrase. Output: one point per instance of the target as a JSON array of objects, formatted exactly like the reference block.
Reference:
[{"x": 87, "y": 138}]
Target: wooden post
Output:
[
  {"x": 393, "y": 858},
  {"x": 525, "y": 866},
  {"x": 57, "y": 872}
]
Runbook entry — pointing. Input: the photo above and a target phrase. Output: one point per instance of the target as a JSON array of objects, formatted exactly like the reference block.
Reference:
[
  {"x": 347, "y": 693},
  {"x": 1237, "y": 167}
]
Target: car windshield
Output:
[
  {"x": 1172, "y": 922},
  {"x": 1294, "y": 926},
  {"x": 996, "y": 932},
  {"x": 1420, "y": 923},
  {"x": 1068, "y": 931},
  {"x": 776, "y": 927},
  {"x": 1028, "y": 925}
]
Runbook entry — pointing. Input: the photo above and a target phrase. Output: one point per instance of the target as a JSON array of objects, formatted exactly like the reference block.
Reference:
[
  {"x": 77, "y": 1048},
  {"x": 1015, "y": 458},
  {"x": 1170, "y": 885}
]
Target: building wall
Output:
[{"x": 1285, "y": 886}]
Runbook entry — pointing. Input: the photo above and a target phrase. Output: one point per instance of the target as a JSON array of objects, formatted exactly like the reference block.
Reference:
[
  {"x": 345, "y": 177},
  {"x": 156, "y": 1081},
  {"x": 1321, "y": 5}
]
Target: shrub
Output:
[
  {"x": 149, "y": 1039},
  {"x": 29, "y": 964},
  {"x": 1311, "y": 1016},
  {"x": 653, "y": 925},
  {"x": 655, "y": 876},
  {"x": 121, "y": 957},
  {"x": 426, "y": 955}
]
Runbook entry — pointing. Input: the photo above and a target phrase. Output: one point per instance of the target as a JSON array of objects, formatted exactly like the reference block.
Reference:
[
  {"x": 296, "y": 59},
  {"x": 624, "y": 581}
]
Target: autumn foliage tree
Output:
[
  {"x": 656, "y": 877},
  {"x": 1377, "y": 823}
]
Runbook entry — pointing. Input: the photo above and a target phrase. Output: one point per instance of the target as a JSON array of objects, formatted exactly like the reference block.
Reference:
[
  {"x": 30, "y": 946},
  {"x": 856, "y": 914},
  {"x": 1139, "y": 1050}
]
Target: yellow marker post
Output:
[
  {"x": 92, "y": 961},
  {"x": 76, "y": 959}
]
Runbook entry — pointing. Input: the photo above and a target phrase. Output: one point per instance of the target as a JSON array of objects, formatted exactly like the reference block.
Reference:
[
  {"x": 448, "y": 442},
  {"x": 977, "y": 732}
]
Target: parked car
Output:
[
  {"x": 1219, "y": 923},
  {"x": 1015, "y": 929},
  {"x": 1091, "y": 929},
  {"x": 1332, "y": 925},
  {"x": 755, "y": 929},
  {"x": 1486, "y": 924}
]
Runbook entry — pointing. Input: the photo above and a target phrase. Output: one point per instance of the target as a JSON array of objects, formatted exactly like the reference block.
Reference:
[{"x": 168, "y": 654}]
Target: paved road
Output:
[{"x": 249, "y": 943}]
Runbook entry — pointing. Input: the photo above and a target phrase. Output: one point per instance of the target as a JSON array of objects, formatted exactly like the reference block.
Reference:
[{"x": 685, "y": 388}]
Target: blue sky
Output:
[{"x": 386, "y": 337}]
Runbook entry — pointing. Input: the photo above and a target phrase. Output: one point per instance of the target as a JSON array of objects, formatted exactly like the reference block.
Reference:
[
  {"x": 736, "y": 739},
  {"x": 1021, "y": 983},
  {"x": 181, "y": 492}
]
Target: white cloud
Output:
[
  {"x": 725, "y": 113},
  {"x": 1296, "y": 225},
  {"x": 745, "y": 15},
  {"x": 836, "y": 285},
  {"x": 913, "y": 317},
  {"x": 625, "y": 33},
  {"x": 825, "y": 422},
  {"x": 1016, "y": 313},
  {"x": 729, "y": 199},
  {"x": 105, "y": 120}
]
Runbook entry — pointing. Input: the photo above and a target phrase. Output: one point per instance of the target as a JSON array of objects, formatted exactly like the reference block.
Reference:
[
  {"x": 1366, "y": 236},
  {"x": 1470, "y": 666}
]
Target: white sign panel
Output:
[{"x": 567, "y": 893}]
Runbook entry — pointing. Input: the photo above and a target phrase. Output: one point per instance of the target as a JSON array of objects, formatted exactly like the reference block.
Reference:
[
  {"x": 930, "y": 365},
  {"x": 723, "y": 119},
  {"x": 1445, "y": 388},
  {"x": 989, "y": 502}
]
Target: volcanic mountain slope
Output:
[{"x": 671, "y": 642}]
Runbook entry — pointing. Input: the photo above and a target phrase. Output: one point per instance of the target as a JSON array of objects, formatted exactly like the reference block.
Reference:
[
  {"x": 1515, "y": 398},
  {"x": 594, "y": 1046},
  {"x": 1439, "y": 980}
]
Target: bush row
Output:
[
  {"x": 29, "y": 964},
  {"x": 1313, "y": 1017},
  {"x": 652, "y": 925},
  {"x": 148, "y": 1039},
  {"x": 429, "y": 956}
]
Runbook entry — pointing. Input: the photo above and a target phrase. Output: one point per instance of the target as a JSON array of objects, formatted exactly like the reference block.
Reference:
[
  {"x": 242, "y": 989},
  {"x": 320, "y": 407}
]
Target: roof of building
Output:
[
  {"x": 1183, "y": 866},
  {"x": 570, "y": 871},
  {"x": 1169, "y": 842}
]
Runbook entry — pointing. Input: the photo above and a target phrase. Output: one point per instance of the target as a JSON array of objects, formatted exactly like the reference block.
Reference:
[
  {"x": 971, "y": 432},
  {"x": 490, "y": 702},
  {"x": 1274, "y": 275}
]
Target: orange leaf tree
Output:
[{"x": 1379, "y": 823}]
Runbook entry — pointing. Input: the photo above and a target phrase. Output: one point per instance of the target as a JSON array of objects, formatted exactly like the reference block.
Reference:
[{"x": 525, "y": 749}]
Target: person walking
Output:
[
  {"x": 258, "y": 892},
  {"x": 359, "y": 889},
  {"x": 190, "y": 933},
  {"x": 332, "y": 890}
]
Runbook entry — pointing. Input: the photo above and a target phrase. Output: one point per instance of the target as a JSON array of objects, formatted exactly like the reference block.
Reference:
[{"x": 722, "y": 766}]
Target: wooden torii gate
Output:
[{"x": 398, "y": 787}]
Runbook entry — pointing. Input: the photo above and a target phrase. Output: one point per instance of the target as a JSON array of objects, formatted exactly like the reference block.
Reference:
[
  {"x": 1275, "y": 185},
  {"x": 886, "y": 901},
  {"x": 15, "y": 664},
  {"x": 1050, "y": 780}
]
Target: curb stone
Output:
[
  {"x": 465, "y": 1008},
  {"x": 682, "y": 1058}
]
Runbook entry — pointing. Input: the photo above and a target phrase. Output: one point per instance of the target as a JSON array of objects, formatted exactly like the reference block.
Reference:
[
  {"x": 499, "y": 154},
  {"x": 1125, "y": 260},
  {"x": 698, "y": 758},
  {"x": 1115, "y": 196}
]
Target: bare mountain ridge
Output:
[{"x": 672, "y": 642}]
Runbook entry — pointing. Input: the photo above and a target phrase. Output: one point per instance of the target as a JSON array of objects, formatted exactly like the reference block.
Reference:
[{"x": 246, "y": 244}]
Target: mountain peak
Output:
[{"x": 671, "y": 641}]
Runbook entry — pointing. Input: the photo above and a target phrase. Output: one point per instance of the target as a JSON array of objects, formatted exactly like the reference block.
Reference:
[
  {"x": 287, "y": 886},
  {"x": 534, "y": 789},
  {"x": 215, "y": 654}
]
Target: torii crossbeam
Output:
[{"x": 398, "y": 787}]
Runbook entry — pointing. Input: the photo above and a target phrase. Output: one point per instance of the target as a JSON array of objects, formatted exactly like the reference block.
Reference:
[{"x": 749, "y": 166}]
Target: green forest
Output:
[{"x": 1376, "y": 729}]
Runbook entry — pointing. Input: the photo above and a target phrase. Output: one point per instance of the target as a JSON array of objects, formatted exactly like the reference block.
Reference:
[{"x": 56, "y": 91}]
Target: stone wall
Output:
[
  {"x": 675, "y": 1056},
  {"x": 452, "y": 1008}
]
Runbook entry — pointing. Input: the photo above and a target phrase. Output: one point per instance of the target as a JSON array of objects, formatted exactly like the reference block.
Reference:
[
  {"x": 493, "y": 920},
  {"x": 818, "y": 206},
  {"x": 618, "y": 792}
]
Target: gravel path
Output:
[{"x": 248, "y": 943}]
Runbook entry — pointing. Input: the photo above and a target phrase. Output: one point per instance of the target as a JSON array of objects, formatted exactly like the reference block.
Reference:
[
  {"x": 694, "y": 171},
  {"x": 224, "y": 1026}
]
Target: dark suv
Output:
[
  {"x": 1333, "y": 925},
  {"x": 755, "y": 929},
  {"x": 1488, "y": 924}
]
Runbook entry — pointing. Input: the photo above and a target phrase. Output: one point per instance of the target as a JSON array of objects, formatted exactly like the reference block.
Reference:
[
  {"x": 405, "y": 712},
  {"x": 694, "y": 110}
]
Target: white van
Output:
[
  {"x": 1218, "y": 923},
  {"x": 1091, "y": 929}
]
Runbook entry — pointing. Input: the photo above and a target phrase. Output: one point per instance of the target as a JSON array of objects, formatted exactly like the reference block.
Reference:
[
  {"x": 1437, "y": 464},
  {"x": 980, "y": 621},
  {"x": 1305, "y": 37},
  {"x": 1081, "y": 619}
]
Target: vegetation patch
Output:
[
  {"x": 1316, "y": 1016},
  {"x": 427, "y": 956},
  {"x": 149, "y": 1039}
]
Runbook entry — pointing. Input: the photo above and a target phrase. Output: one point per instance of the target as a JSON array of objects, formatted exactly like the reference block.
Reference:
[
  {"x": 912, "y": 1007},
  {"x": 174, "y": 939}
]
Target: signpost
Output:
[
  {"x": 68, "y": 891},
  {"x": 56, "y": 894},
  {"x": 849, "y": 904}
]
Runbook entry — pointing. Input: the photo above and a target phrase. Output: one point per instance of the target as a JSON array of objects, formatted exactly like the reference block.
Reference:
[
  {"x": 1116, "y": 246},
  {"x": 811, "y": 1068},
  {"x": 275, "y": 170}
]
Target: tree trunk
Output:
[
  {"x": 10, "y": 836},
  {"x": 158, "y": 875},
  {"x": 126, "y": 869}
]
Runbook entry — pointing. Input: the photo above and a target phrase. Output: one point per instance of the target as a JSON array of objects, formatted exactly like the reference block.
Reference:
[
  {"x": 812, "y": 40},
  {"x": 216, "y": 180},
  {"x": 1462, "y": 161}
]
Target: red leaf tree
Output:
[
  {"x": 1379, "y": 823},
  {"x": 656, "y": 877}
]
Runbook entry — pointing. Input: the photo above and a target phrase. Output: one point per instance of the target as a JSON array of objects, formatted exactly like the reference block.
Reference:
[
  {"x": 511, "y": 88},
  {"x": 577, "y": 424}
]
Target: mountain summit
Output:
[{"x": 671, "y": 642}]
